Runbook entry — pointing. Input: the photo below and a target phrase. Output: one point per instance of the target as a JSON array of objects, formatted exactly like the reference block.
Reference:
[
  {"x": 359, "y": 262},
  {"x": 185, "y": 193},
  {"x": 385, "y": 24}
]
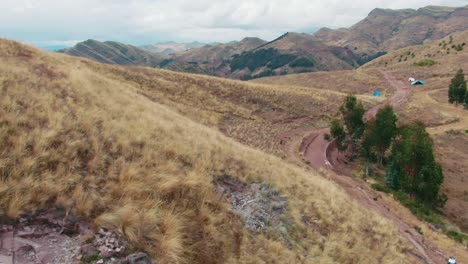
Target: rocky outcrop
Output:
[{"x": 52, "y": 237}]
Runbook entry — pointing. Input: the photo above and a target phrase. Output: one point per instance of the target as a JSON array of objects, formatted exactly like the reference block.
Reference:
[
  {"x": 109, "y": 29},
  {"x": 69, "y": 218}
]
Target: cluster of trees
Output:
[
  {"x": 457, "y": 92},
  {"x": 406, "y": 151},
  {"x": 302, "y": 62},
  {"x": 348, "y": 133},
  {"x": 253, "y": 60}
]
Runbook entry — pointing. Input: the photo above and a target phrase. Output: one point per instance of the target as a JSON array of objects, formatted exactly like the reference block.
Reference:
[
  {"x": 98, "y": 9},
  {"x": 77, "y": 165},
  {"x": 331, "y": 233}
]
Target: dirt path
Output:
[
  {"x": 399, "y": 97},
  {"x": 310, "y": 146}
]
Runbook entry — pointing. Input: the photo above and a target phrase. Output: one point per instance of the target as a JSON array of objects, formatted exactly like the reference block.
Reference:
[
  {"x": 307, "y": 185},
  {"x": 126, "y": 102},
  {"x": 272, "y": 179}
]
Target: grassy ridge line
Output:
[{"x": 74, "y": 138}]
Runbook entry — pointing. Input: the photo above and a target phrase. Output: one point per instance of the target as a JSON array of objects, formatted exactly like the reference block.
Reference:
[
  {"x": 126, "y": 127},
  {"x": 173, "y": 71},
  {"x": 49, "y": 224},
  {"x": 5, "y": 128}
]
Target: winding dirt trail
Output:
[{"x": 309, "y": 146}]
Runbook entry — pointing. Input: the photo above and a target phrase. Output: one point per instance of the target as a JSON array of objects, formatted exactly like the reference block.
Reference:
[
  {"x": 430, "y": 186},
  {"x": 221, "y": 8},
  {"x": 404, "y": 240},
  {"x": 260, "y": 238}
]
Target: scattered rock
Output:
[
  {"x": 137, "y": 258},
  {"x": 53, "y": 237},
  {"x": 260, "y": 205},
  {"x": 88, "y": 250}
]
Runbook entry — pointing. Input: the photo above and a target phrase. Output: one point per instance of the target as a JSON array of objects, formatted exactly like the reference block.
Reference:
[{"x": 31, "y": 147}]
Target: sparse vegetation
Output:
[
  {"x": 381, "y": 188},
  {"x": 425, "y": 63}
]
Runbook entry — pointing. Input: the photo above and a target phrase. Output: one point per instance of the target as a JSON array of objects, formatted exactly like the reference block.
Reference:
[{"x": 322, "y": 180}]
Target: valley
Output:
[{"x": 220, "y": 153}]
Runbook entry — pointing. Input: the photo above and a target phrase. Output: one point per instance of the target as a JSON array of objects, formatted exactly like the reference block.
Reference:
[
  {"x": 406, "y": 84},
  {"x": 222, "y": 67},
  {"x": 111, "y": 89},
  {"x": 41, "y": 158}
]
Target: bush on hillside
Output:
[
  {"x": 458, "y": 90},
  {"x": 425, "y": 63}
]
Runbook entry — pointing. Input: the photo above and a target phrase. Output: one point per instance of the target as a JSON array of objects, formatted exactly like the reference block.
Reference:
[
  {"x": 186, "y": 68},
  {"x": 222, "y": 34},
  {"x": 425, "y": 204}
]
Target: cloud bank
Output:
[{"x": 64, "y": 22}]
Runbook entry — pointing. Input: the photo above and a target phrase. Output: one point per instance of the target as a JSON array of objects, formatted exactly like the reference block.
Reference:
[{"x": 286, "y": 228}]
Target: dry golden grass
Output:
[
  {"x": 93, "y": 140},
  {"x": 359, "y": 82}
]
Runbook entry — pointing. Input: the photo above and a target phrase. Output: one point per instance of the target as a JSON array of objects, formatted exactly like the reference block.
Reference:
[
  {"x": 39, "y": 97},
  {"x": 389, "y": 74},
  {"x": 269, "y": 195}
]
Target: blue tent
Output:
[
  {"x": 417, "y": 82},
  {"x": 377, "y": 94}
]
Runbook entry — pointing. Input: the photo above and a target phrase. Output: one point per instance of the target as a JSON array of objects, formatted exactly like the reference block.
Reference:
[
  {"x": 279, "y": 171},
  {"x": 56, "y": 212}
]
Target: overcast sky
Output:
[{"x": 65, "y": 22}]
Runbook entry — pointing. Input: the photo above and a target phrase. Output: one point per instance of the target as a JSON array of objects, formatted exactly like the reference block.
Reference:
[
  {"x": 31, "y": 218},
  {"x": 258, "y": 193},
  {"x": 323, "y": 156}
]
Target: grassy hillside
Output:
[
  {"x": 114, "y": 53},
  {"x": 82, "y": 136},
  {"x": 360, "y": 82}
]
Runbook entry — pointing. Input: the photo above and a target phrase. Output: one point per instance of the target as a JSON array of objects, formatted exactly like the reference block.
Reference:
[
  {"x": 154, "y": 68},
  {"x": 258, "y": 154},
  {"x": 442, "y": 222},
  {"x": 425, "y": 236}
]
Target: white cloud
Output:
[{"x": 140, "y": 21}]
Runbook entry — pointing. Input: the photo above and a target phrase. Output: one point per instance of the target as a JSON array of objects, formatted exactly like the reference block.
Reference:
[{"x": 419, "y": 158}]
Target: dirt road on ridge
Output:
[{"x": 309, "y": 146}]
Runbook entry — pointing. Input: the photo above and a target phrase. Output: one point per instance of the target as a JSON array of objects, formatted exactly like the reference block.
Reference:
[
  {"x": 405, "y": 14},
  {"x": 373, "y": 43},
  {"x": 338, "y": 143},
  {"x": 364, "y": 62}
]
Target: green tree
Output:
[
  {"x": 353, "y": 113},
  {"x": 466, "y": 100},
  {"x": 338, "y": 133},
  {"x": 379, "y": 134},
  {"x": 457, "y": 88},
  {"x": 412, "y": 167}
]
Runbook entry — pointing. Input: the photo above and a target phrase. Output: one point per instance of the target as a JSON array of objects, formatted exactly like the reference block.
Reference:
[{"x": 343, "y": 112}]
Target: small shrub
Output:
[
  {"x": 425, "y": 63},
  {"x": 457, "y": 236},
  {"x": 381, "y": 188},
  {"x": 420, "y": 210},
  {"x": 458, "y": 47},
  {"x": 418, "y": 229},
  {"x": 327, "y": 137},
  {"x": 453, "y": 132}
]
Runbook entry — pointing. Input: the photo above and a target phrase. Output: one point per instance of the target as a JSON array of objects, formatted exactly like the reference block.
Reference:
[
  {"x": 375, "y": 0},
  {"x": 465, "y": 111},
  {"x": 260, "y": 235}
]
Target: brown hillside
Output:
[
  {"x": 387, "y": 30},
  {"x": 111, "y": 52},
  {"x": 106, "y": 142}
]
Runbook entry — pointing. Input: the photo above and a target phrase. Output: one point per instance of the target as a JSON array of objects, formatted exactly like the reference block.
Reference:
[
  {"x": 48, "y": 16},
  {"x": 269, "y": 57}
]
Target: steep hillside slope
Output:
[
  {"x": 217, "y": 52},
  {"x": 212, "y": 58},
  {"x": 290, "y": 53},
  {"x": 387, "y": 30},
  {"x": 114, "y": 53},
  {"x": 82, "y": 136}
]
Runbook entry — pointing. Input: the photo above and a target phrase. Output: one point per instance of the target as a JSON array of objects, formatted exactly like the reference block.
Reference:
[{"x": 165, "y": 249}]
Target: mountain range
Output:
[{"x": 383, "y": 30}]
